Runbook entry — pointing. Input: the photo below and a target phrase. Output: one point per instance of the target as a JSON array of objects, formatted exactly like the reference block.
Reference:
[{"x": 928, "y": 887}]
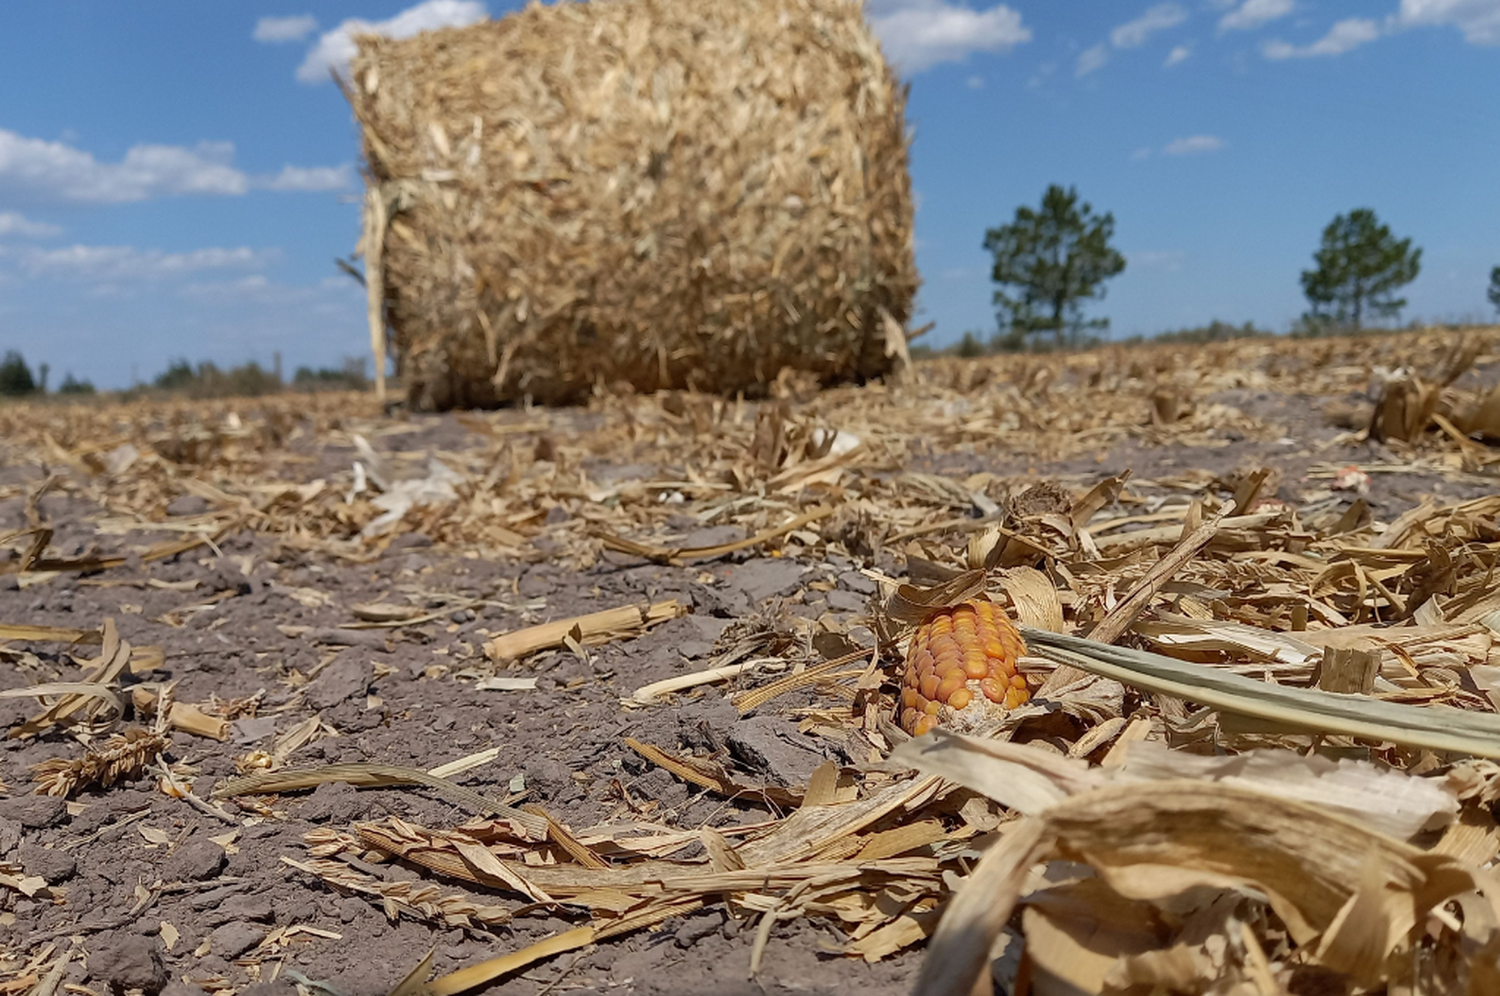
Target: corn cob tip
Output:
[{"x": 961, "y": 667}]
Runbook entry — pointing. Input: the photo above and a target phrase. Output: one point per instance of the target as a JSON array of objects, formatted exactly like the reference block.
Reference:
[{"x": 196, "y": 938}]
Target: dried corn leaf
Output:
[
  {"x": 415, "y": 980},
  {"x": 1034, "y": 598},
  {"x": 72, "y": 689},
  {"x": 713, "y": 776},
  {"x": 114, "y": 657},
  {"x": 1156, "y": 841},
  {"x": 1030, "y": 780},
  {"x": 496, "y": 968},
  {"x": 49, "y": 634},
  {"x": 366, "y": 774},
  {"x": 1433, "y": 727},
  {"x": 677, "y": 556},
  {"x": 911, "y": 604}
]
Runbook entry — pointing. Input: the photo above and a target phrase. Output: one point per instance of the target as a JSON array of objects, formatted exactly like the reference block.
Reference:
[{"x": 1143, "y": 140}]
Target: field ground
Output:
[{"x": 323, "y": 583}]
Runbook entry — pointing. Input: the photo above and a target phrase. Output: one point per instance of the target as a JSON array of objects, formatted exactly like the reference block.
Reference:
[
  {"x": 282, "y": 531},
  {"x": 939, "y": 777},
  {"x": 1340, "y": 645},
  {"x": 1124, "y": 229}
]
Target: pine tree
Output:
[
  {"x": 1048, "y": 262},
  {"x": 1360, "y": 266},
  {"x": 15, "y": 376}
]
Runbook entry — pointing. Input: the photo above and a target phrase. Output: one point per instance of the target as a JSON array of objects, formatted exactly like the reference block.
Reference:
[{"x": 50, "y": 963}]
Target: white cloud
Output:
[
  {"x": 1479, "y": 20},
  {"x": 1193, "y": 144},
  {"x": 12, "y": 223},
  {"x": 335, "y": 48},
  {"x": 1178, "y": 54},
  {"x": 1042, "y": 75},
  {"x": 314, "y": 178},
  {"x": 1254, "y": 13},
  {"x": 1343, "y": 36},
  {"x": 256, "y": 288},
  {"x": 284, "y": 29},
  {"x": 1133, "y": 34},
  {"x": 1141, "y": 153},
  {"x": 1169, "y": 260},
  {"x": 1091, "y": 59},
  {"x": 58, "y": 171},
  {"x": 62, "y": 172},
  {"x": 919, "y": 34},
  {"x": 975, "y": 82},
  {"x": 103, "y": 264}
]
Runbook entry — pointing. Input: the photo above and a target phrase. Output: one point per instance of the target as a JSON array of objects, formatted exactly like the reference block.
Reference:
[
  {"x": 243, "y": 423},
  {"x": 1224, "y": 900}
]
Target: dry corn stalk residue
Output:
[{"x": 1134, "y": 670}]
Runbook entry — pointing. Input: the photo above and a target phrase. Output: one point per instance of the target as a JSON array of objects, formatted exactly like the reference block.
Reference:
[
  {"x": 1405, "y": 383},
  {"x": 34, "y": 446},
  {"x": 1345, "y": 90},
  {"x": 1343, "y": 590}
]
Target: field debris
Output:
[{"x": 630, "y": 696}]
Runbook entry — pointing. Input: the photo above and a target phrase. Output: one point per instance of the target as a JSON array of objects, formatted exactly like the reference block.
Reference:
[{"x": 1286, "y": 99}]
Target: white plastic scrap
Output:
[{"x": 437, "y": 488}]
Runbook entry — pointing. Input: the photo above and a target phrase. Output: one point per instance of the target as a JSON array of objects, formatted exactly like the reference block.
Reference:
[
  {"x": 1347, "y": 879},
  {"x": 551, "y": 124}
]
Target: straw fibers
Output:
[{"x": 657, "y": 193}]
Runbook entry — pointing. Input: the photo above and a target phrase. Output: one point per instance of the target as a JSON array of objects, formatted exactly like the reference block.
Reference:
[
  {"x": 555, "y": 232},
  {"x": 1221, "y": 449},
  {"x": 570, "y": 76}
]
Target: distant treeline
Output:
[
  {"x": 17, "y": 380},
  {"x": 972, "y": 344},
  {"x": 205, "y": 380}
]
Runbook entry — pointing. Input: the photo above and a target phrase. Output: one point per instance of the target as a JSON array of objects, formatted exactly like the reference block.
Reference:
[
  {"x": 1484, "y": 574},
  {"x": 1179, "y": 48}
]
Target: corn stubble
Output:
[{"x": 961, "y": 669}]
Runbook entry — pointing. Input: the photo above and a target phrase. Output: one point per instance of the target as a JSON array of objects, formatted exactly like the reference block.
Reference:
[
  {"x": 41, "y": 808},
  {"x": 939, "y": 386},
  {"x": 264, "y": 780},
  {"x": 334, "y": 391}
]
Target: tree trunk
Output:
[{"x": 1058, "y": 303}]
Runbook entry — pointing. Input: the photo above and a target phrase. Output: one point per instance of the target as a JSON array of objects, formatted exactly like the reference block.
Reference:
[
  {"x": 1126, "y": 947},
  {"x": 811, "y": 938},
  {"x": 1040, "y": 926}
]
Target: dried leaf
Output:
[
  {"x": 1433, "y": 727},
  {"x": 375, "y": 775},
  {"x": 1153, "y": 841}
]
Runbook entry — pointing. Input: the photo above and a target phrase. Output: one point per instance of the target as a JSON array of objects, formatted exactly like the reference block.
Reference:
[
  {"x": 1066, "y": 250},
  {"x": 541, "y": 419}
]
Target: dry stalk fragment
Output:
[
  {"x": 712, "y": 776},
  {"x": 591, "y": 629},
  {"x": 182, "y": 716},
  {"x": 677, "y": 556}
]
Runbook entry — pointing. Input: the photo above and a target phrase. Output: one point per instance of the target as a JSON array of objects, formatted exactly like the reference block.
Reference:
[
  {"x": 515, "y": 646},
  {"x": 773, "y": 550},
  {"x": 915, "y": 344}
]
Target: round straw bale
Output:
[{"x": 659, "y": 193}]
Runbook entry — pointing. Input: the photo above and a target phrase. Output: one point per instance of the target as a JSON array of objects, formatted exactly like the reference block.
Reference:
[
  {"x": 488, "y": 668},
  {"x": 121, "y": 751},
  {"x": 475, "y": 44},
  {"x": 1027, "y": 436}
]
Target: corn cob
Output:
[{"x": 961, "y": 665}]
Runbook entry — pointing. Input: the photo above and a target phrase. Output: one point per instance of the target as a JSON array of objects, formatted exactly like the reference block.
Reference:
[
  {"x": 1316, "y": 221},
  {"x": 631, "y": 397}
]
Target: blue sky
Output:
[{"x": 176, "y": 177}]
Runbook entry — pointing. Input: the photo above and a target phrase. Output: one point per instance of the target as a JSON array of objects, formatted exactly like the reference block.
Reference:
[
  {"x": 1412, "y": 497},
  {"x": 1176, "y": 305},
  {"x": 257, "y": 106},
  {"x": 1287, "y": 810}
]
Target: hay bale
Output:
[{"x": 665, "y": 193}]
